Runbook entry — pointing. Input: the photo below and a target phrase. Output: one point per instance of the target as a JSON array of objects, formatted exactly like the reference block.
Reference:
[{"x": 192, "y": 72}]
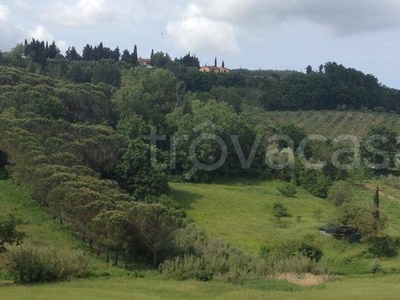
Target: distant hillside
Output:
[{"x": 329, "y": 123}]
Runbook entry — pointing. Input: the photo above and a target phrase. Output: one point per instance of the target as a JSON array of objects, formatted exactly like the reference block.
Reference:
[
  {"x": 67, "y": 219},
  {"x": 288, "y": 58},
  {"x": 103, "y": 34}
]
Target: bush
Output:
[
  {"x": 299, "y": 256},
  {"x": 204, "y": 256},
  {"x": 310, "y": 251},
  {"x": 340, "y": 193},
  {"x": 383, "y": 246},
  {"x": 376, "y": 266},
  {"x": 280, "y": 211},
  {"x": 393, "y": 181},
  {"x": 31, "y": 264},
  {"x": 204, "y": 276},
  {"x": 289, "y": 190}
]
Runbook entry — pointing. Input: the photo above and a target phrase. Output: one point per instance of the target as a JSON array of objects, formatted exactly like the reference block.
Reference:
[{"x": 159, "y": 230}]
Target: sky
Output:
[{"x": 251, "y": 34}]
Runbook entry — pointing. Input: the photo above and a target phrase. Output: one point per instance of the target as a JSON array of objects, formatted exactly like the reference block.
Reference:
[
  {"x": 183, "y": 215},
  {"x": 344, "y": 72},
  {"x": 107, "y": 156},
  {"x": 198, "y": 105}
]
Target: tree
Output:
[
  {"x": 340, "y": 193},
  {"x": 309, "y": 70},
  {"x": 137, "y": 175},
  {"x": 71, "y": 54},
  {"x": 189, "y": 61},
  {"x": 379, "y": 148},
  {"x": 160, "y": 59},
  {"x": 135, "y": 56},
  {"x": 151, "y": 94},
  {"x": 377, "y": 213},
  {"x": 126, "y": 57},
  {"x": 9, "y": 234},
  {"x": 365, "y": 219},
  {"x": 87, "y": 53},
  {"x": 156, "y": 225}
]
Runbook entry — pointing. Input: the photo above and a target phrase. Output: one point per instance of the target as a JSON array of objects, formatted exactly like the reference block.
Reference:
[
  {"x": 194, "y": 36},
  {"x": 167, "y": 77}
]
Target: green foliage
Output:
[
  {"x": 289, "y": 190},
  {"x": 363, "y": 219},
  {"x": 198, "y": 134},
  {"x": 137, "y": 174},
  {"x": 393, "y": 181},
  {"x": 383, "y": 246},
  {"x": 151, "y": 94},
  {"x": 32, "y": 264},
  {"x": 307, "y": 247},
  {"x": 380, "y": 148},
  {"x": 376, "y": 266},
  {"x": 50, "y": 107},
  {"x": 295, "y": 133},
  {"x": 340, "y": 193},
  {"x": 280, "y": 211},
  {"x": 204, "y": 276},
  {"x": 336, "y": 87},
  {"x": 9, "y": 235},
  {"x": 202, "y": 254},
  {"x": 315, "y": 182}
]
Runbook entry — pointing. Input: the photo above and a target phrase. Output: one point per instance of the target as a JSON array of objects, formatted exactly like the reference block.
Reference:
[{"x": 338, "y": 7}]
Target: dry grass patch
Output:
[{"x": 305, "y": 280}]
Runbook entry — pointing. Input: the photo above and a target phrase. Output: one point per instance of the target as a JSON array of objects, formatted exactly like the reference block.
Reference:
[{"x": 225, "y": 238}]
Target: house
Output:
[
  {"x": 215, "y": 68},
  {"x": 340, "y": 232},
  {"x": 145, "y": 62},
  {"x": 220, "y": 70}
]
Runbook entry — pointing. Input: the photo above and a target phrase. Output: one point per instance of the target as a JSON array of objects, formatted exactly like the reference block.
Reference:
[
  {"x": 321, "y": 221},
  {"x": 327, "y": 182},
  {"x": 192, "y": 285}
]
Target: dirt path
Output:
[{"x": 382, "y": 193}]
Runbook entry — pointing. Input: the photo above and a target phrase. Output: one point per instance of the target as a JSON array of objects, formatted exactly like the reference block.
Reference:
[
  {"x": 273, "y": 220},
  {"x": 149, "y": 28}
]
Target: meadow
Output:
[{"x": 241, "y": 213}]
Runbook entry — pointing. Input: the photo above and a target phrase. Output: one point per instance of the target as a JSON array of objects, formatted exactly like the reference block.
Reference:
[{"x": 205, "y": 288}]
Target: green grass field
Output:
[
  {"x": 241, "y": 214},
  {"x": 385, "y": 287},
  {"x": 328, "y": 123}
]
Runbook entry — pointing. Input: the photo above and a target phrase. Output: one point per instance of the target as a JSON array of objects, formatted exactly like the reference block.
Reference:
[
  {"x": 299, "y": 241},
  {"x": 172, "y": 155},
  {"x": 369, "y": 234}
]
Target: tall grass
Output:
[{"x": 32, "y": 264}]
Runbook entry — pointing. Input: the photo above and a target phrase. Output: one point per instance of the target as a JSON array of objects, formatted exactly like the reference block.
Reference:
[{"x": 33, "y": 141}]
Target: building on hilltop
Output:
[
  {"x": 215, "y": 68},
  {"x": 145, "y": 62}
]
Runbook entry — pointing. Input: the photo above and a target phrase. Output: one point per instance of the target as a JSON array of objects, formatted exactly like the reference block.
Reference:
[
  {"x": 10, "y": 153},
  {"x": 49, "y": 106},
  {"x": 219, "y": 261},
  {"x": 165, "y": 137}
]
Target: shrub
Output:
[
  {"x": 204, "y": 276},
  {"x": 289, "y": 190},
  {"x": 280, "y": 211},
  {"x": 393, "y": 181},
  {"x": 292, "y": 256},
  {"x": 340, "y": 193},
  {"x": 376, "y": 266},
  {"x": 183, "y": 268},
  {"x": 31, "y": 264},
  {"x": 207, "y": 258},
  {"x": 384, "y": 246},
  {"x": 311, "y": 251}
]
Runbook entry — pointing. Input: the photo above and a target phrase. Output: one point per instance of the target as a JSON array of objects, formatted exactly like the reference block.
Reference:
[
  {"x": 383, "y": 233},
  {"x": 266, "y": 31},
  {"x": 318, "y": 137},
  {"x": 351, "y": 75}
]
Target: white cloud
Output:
[
  {"x": 83, "y": 12},
  {"x": 9, "y": 34},
  {"x": 4, "y": 13},
  {"x": 196, "y": 32},
  {"x": 40, "y": 33}
]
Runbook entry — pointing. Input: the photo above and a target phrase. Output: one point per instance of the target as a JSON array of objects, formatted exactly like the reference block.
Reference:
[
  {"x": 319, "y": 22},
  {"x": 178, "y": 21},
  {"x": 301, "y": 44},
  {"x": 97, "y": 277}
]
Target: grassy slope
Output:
[
  {"x": 329, "y": 123},
  {"x": 39, "y": 227},
  {"x": 242, "y": 214}
]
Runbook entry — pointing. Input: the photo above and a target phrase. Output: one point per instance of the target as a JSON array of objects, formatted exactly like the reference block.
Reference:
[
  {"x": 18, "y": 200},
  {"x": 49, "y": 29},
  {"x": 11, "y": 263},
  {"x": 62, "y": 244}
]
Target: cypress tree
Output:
[{"x": 377, "y": 214}]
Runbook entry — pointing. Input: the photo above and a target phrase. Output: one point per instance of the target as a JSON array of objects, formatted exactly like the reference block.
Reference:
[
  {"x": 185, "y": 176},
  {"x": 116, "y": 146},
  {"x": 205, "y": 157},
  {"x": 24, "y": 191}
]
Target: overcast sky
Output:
[{"x": 253, "y": 34}]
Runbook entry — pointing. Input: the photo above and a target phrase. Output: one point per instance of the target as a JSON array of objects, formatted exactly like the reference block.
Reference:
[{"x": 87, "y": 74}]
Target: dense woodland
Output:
[{"x": 73, "y": 126}]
